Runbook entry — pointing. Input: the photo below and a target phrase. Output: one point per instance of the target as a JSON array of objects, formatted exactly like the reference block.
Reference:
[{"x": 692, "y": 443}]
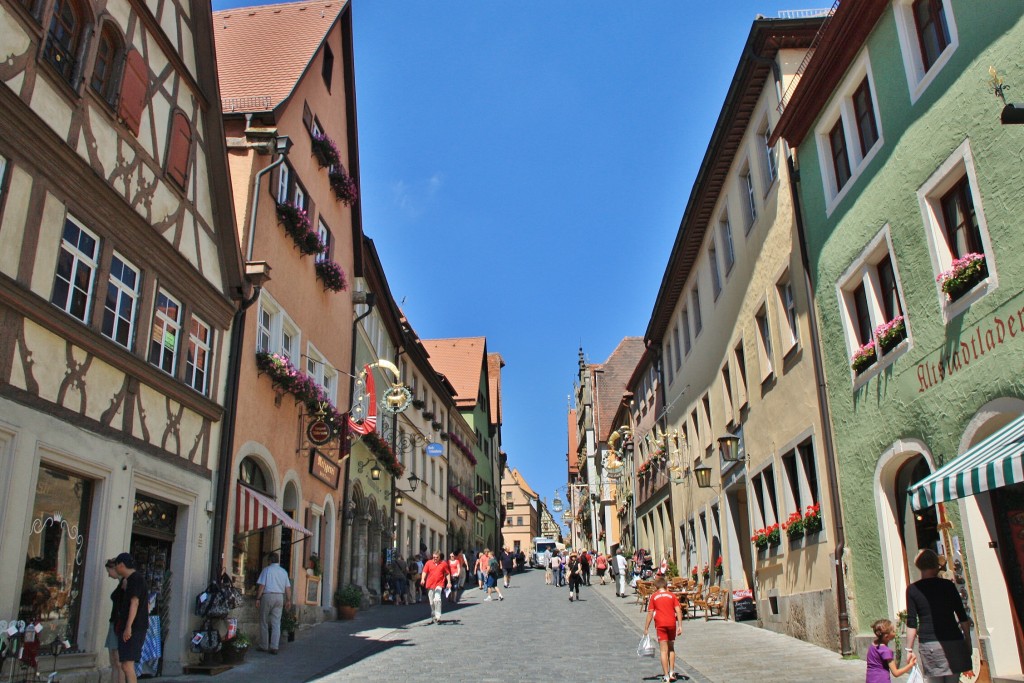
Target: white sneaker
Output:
[
  {"x": 501, "y": 597},
  {"x": 487, "y": 599}
]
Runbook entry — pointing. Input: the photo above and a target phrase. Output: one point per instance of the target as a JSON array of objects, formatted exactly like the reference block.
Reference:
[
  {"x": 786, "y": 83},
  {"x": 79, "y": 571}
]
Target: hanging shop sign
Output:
[
  {"x": 324, "y": 469},
  {"x": 435, "y": 449},
  {"x": 478, "y": 499},
  {"x": 319, "y": 432}
]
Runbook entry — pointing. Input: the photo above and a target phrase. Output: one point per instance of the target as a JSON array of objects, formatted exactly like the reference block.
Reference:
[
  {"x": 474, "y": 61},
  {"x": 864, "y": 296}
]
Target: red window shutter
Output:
[
  {"x": 179, "y": 148},
  {"x": 134, "y": 90}
]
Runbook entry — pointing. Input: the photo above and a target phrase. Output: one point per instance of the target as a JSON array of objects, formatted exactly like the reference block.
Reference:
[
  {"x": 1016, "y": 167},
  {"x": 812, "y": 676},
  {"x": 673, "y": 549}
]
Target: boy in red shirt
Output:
[{"x": 664, "y": 609}]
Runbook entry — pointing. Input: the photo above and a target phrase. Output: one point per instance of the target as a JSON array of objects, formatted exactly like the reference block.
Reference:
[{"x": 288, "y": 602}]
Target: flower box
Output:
[
  {"x": 344, "y": 185},
  {"x": 812, "y": 519},
  {"x": 325, "y": 151},
  {"x": 965, "y": 273},
  {"x": 436, "y": 425},
  {"x": 794, "y": 526},
  {"x": 332, "y": 275},
  {"x": 296, "y": 224},
  {"x": 891, "y": 333},
  {"x": 864, "y": 357}
]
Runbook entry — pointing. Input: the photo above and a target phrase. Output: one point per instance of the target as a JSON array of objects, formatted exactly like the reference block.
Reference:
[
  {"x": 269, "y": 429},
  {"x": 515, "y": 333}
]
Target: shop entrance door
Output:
[
  {"x": 1008, "y": 509},
  {"x": 152, "y": 541}
]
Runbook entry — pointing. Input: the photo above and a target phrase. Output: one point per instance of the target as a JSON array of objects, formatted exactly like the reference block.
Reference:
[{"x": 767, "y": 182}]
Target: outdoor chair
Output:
[{"x": 713, "y": 603}]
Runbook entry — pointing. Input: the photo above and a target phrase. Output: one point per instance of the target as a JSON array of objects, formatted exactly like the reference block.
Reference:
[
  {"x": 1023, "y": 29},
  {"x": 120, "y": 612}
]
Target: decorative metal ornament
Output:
[
  {"x": 363, "y": 416},
  {"x": 396, "y": 399}
]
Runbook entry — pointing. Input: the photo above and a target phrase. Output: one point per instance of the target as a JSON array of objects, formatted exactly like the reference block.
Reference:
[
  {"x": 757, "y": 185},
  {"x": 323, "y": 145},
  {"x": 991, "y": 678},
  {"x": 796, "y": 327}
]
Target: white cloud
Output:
[{"x": 414, "y": 197}]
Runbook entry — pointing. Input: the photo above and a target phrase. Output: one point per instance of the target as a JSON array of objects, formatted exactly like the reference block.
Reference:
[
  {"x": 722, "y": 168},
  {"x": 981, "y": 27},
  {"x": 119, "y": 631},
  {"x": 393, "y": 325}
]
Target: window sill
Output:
[{"x": 953, "y": 309}]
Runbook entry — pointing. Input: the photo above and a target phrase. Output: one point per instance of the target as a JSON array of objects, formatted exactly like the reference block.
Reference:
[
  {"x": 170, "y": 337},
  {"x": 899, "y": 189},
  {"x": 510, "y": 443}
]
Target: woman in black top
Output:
[
  {"x": 575, "y": 577},
  {"x": 937, "y": 620},
  {"x": 116, "y": 675}
]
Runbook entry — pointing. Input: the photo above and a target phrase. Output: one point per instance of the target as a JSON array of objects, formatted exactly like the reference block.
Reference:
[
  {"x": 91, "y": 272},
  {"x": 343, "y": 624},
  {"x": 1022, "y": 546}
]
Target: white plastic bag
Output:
[
  {"x": 915, "y": 675},
  {"x": 646, "y": 647}
]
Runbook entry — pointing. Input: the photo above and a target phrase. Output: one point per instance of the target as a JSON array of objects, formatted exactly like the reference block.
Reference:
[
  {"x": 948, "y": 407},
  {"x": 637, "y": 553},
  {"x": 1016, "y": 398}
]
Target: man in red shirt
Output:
[
  {"x": 664, "y": 609},
  {"x": 436, "y": 576}
]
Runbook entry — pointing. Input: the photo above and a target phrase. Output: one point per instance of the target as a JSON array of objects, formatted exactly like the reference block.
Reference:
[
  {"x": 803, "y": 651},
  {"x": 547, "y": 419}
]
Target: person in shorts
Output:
[
  {"x": 116, "y": 675},
  {"x": 491, "y": 582},
  {"x": 664, "y": 609},
  {"x": 132, "y": 616}
]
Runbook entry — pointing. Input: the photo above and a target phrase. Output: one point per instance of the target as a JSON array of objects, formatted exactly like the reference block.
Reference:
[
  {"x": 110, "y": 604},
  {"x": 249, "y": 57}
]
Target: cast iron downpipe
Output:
[
  {"x": 823, "y": 411},
  {"x": 227, "y": 435}
]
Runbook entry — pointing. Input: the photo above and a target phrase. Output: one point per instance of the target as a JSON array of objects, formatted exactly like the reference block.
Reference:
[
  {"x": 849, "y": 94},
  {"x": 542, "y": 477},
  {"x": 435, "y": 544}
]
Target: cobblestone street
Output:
[{"x": 535, "y": 634}]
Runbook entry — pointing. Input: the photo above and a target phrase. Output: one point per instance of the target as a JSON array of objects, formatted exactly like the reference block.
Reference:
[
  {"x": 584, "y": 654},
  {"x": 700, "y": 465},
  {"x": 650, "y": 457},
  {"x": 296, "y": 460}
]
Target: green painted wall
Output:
[{"x": 898, "y": 403}]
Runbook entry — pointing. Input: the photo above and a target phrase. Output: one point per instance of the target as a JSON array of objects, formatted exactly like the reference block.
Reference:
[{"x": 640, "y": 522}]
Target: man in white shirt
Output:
[
  {"x": 619, "y": 564},
  {"x": 273, "y": 594}
]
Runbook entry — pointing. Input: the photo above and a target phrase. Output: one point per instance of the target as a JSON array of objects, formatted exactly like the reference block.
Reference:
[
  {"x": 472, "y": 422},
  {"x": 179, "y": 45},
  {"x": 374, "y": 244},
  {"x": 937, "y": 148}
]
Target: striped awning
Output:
[
  {"x": 255, "y": 510},
  {"x": 997, "y": 461}
]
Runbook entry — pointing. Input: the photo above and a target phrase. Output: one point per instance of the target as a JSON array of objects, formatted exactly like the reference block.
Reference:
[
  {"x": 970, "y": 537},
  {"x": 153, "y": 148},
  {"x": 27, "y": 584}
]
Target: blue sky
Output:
[{"x": 524, "y": 168}]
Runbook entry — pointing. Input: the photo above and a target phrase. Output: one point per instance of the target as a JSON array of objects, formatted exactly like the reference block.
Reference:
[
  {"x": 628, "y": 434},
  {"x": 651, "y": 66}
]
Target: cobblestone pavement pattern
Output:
[{"x": 535, "y": 634}]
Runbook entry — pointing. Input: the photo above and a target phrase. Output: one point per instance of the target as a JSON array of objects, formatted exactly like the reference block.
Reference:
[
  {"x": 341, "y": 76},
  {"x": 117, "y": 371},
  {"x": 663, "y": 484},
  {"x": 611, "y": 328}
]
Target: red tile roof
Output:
[
  {"x": 263, "y": 51},
  {"x": 460, "y": 360},
  {"x": 494, "y": 365},
  {"x": 521, "y": 480},
  {"x": 610, "y": 382}
]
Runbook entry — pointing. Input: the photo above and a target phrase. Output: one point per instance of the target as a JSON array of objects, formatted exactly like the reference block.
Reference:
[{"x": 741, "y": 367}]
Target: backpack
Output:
[{"x": 492, "y": 564}]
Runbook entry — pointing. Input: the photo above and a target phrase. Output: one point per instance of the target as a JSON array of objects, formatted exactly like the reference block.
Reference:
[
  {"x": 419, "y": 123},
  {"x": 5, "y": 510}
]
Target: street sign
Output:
[
  {"x": 319, "y": 432},
  {"x": 435, "y": 449}
]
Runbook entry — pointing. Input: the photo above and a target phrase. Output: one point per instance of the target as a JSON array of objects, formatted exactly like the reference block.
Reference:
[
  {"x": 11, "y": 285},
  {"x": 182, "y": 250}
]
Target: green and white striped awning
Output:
[{"x": 997, "y": 461}]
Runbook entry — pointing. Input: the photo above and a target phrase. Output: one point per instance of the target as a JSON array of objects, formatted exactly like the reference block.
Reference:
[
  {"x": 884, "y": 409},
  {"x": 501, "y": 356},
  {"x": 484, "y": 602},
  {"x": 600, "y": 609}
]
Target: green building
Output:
[{"x": 911, "y": 195}]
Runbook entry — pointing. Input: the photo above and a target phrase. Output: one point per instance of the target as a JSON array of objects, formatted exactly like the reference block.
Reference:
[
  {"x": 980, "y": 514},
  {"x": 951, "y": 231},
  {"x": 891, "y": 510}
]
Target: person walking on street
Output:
[
  {"x": 492, "y": 576},
  {"x": 881, "y": 661},
  {"x": 601, "y": 564},
  {"x": 116, "y": 675},
  {"x": 455, "y": 569},
  {"x": 507, "y": 560},
  {"x": 619, "y": 573},
  {"x": 273, "y": 595},
  {"x": 556, "y": 567},
  {"x": 664, "y": 609},
  {"x": 585, "y": 567},
  {"x": 481, "y": 569},
  {"x": 575, "y": 577},
  {"x": 436, "y": 576},
  {"x": 545, "y": 561},
  {"x": 938, "y": 622},
  {"x": 132, "y": 620}
]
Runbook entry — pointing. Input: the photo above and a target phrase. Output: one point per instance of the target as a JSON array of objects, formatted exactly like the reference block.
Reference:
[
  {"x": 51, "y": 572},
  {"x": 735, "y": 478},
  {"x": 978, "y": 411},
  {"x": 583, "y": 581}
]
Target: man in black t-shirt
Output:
[{"x": 132, "y": 615}]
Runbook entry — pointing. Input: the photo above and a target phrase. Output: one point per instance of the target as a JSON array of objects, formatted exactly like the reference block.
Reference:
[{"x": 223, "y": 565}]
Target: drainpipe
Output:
[
  {"x": 280, "y": 146},
  {"x": 823, "y": 411}
]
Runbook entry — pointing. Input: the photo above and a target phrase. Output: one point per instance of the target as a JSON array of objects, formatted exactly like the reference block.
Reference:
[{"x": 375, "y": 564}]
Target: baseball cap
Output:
[{"x": 126, "y": 559}]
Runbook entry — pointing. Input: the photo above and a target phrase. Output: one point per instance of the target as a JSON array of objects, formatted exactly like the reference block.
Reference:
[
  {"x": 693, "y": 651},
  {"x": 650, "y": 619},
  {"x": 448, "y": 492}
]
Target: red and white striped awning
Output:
[{"x": 254, "y": 511}]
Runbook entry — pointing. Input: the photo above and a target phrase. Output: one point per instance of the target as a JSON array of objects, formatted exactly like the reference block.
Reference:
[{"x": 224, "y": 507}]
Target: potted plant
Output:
[
  {"x": 314, "y": 564},
  {"x": 332, "y": 275},
  {"x": 694, "y": 572},
  {"x": 773, "y": 534},
  {"x": 233, "y": 651},
  {"x": 343, "y": 184},
  {"x": 812, "y": 519},
  {"x": 891, "y": 333},
  {"x": 348, "y": 600},
  {"x": 706, "y": 572},
  {"x": 719, "y": 570},
  {"x": 864, "y": 357},
  {"x": 289, "y": 622},
  {"x": 794, "y": 526},
  {"x": 965, "y": 272},
  {"x": 325, "y": 151}
]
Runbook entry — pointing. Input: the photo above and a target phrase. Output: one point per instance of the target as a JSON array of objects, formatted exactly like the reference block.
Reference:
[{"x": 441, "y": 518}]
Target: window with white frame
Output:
[
  {"x": 122, "y": 301},
  {"x": 677, "y": 357},
  {"x": 928, "y": 37},
  {"x": 324, "y": 234},
  {"x": 728, "y": 251},
  {"x": 275, "y": 331},
  {"x": 282, "y": 183},
  {"x": 870, "y": 294},
  {"x": 769, "y": 155},
  {"x": 197, "y": 360},
  {"x": 322, "y": 372},
  {"x": 299, "y": 197},
  {"x": 764, "y": 343},
  {"x": 684, "y": 321},
  {"x": 766, "y": 508},
  {"x": 801, "y": 472},
  {"x": 749, "y": 196},
  {"x": 163, "y": 342},
  {"x": 716, "y": 274},
  {"x": 698, "y": 322},
  {"x": 788, "y": 333},
  {"x": 849, "y": 133},
  {"x": 76, "y": 270}
]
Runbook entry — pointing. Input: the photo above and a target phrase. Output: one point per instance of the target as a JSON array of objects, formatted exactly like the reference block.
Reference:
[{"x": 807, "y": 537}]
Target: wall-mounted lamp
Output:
[
  {"x": 703, "y": 476},
  {"x": 729, "y": 446},
  {"x": 282, "y": 144},
  {"x": 375, "y": 472},
  {"x": 399, "y": 498}
]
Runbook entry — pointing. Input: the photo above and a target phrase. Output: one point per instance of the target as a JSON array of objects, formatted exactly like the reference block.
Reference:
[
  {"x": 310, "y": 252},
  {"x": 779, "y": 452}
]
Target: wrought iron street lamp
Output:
[{"x": 703, "y": 476}]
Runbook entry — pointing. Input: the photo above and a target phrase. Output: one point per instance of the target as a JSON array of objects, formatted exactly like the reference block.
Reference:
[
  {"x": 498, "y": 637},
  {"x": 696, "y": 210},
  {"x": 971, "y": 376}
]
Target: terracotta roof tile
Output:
[
  {"x": 460, "y": 360},
  {"x": 522, "y": 483},
  {"x": 610, "y": 379},
  {"x": 262, "y": 51}
]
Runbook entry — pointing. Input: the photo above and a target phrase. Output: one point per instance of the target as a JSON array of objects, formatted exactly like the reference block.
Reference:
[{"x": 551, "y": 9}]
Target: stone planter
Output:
[{"x": 233, "y": 655}]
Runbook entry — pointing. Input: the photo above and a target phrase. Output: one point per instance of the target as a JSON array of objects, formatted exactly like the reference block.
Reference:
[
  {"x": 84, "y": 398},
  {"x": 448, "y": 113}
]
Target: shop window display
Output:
[{"x": 51, "y": 592}]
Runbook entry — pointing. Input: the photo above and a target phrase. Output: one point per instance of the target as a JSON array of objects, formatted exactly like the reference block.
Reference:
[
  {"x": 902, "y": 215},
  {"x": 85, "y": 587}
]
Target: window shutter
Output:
[
  {"x": 179, "y": 149},
  {"x": 308, "y": 543},
  {"x": 134, "y": 90},
  {"x": 307, "y": 117}
]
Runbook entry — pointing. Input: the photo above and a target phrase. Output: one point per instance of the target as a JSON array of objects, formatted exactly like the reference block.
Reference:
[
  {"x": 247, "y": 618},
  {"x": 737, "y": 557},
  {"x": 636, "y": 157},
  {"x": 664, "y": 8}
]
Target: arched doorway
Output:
[
  {"x": 902, "y": 531},
  {"x": 250, "y": 550},
  {"x": 290, "y": 503},
  {"x": 329, "y": 553}
]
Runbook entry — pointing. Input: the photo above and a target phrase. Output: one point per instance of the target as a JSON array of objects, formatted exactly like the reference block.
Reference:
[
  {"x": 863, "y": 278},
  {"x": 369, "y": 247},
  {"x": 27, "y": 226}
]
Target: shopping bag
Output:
[
  {"x": 646, "y": 647},
  {"x": 915, "y": 675}
]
